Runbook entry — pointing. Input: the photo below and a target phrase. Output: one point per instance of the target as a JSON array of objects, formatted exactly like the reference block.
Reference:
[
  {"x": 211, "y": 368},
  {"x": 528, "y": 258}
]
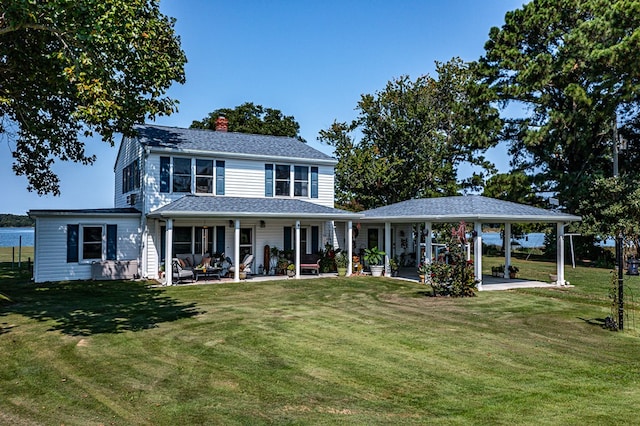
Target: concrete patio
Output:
[{"x": 489, "y": 283}]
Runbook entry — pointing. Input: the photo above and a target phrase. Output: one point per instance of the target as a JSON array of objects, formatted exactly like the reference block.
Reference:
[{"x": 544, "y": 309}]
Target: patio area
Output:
[{"x": 489, "y": 283}]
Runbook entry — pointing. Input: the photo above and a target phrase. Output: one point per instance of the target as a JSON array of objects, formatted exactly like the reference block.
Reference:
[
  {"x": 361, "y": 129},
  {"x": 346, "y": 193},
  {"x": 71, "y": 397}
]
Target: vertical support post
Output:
[
  {"x": 20, "y": 252},
  {"x": 297, "y": 249},
  {"x": 477, "y": 250},
  {"x": 507, "y": 249},
  {"x": 560, "y": 253},
  {"x": 236, "y": 251},
  {"x": 168, "y": 253},
  {"x": 620, "y": 260},
  {"x": 428, "y": 242},
  {"x": 349, "y": 247},
  {"x": 387, "y": 249}
]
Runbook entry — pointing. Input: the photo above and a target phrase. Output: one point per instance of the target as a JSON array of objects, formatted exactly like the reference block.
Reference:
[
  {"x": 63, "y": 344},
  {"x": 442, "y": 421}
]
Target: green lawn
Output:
[{"x": 321, "y": 351}]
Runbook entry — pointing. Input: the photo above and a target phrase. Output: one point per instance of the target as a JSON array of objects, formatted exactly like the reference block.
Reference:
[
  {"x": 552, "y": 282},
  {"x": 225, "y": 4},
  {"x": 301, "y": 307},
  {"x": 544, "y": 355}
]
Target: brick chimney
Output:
[{"x": 222, "y": 124}]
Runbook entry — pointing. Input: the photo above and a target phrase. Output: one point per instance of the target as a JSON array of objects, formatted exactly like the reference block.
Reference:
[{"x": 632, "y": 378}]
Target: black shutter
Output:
[
  {"x": 165, "y": 173},
  {"x": 112, "y": 242},
  {"x": 73, "y": 231},
  {"x": 314, "y": 182},
  {"x": 315, "y": 237},
  {"x": 287, "y": 238},
  {"x": 268, "y": 180},
  {"x": 220, "y": 230}
]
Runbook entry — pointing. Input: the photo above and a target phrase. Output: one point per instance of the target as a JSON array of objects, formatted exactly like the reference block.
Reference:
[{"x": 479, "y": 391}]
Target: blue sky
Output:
[{"x": 308, "y": 59}]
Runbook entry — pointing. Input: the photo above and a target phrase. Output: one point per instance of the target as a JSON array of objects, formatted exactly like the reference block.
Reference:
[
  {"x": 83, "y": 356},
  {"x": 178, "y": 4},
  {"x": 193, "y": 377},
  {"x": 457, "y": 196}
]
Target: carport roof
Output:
[
  {"x": 243, "y": 207},
  {"x": 470, "y": 208}
]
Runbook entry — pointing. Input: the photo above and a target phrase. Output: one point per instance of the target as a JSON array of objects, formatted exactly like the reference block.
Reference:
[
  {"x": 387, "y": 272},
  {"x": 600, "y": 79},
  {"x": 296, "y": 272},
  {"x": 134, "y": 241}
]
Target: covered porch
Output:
[
  {"x": 237, "y": 227},
  {"x": 470, "y": 209}
]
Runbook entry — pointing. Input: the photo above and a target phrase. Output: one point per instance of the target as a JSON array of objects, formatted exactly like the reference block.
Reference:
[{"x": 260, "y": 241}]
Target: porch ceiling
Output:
[
  {"x": 242, "y": 207},
  {"x": 470, "y": 208}
]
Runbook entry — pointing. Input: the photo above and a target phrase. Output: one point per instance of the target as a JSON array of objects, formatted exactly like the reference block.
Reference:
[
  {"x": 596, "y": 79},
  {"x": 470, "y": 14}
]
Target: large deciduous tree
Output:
[
  {"x": 70, "y": 69},
  {"x": 255, "y": 119},
  {"x": 570, "y": 70},
  {"x": 410, "y": 138}
]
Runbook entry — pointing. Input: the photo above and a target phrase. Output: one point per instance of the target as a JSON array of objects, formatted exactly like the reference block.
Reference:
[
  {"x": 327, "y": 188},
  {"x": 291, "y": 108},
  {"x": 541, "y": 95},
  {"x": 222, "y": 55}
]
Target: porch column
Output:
[
  {"x": 560, "y": 254},
  {"x": 507, "y": 249},
  {"x": 349, "y": 247},
  {"x": 236, "y": 252},
  {"x": 477, "y": 249},
  {"x": 428, "y": 242},
  {"x": 297, "y": 249},
  {"x": 168, "y": 254},
  {"x": 387, "y": 248}
]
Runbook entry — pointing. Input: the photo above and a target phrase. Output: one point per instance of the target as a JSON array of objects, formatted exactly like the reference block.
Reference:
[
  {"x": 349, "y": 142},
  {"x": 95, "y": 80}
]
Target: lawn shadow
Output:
[
  {"x": 83, "y": 308},
  {"x": 606, "y": 323}
]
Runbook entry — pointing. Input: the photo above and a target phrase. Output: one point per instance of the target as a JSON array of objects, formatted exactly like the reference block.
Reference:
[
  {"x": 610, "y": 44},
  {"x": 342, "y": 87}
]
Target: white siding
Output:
[
  {"x": 243, "y": 178},
  {"x": 51, "y": 245}
]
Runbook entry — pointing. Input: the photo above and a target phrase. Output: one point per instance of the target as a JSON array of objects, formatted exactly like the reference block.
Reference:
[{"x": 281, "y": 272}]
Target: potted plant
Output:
[
  {"x": 342, "y": 263},
  {"x": 423, "y": 269},
  {"x": 393, "y": 264},
  {"x": 374, "y": 258},
  {"x": 243, "y": 274},
  {"x": 513, "y": 271},
  {"x": 497, "y": 271},
  {"x": 291, "y": 270}
]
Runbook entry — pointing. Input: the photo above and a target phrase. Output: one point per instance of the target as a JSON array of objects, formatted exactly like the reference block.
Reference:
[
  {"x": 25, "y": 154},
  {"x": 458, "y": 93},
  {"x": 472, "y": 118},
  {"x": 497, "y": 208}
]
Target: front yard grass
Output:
[{"x": 321, "y": 351}]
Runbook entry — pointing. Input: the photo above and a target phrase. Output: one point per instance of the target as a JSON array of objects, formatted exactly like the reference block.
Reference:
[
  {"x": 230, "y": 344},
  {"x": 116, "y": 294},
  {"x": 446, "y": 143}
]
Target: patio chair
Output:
[
  {"x": 180, "y": 273},
  {"x": 247, "y": 264}
]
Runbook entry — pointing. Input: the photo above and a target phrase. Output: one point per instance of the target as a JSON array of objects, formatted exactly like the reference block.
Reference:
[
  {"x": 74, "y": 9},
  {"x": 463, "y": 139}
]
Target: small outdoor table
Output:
[{"x": 212, "y": 272}]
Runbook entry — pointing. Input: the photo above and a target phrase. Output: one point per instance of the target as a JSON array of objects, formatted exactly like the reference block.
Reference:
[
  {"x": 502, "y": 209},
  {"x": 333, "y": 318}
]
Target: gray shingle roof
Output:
[
  {"x": 228, "y": 143},
  {"x": 469, "y": 208},
  {"x": 236, "y": 207}
]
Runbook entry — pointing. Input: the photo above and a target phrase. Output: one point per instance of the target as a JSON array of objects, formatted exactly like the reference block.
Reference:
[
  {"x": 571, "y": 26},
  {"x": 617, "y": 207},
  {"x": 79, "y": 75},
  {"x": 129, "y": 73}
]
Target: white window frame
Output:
[
  {"x": 292, "y": 180},
  {"x": 212, "y": 176},
  {"x": 103, "y": 242}
]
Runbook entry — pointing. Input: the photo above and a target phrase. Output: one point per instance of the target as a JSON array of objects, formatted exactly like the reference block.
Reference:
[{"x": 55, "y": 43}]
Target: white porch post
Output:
[
  {"x": 387, "y": 248},
  {"x": 428, "y": 243},
  {"x": 168, "y": 255},
  {"x": 349, "y": 247},
  {"x": 560, "y": 254},
  {"x": 236, "y": 252},
  {"x": 297, "y": 249},
  {"x": 507, "y": 248},
  {"x": 477, "y": 249}
]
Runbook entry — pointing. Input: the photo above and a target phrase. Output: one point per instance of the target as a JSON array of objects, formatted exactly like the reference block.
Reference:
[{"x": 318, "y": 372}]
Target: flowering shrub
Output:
[{"x": 456, "y": 278}]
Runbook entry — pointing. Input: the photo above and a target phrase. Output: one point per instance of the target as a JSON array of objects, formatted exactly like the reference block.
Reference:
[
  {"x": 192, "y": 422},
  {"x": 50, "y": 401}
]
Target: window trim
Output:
[
  {"x": 271, "y": 181},
  {"x": 131, "y": 177},
  {"x": 218, "y": 177},
  {"x": 212, "y": 176},
  {"x": 81, "y": 242}
]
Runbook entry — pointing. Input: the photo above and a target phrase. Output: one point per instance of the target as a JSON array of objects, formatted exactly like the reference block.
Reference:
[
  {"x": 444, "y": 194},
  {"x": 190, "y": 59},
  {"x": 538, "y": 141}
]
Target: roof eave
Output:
[
  {"x": 253, "y": 215},
  {"x": 239, "y": 155},
  {"x": 473, "y": 218}
]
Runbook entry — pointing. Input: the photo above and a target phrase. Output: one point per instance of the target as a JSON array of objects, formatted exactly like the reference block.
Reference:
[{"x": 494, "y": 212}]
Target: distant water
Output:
[
  {"x": 10, "y": 237},
  {"x": 532, "y": 240},
  {"x": 535, "y": 239}
]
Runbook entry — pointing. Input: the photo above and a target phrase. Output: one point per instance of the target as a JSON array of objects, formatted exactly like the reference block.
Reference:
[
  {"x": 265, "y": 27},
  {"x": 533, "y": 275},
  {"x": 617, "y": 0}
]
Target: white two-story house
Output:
[{"x": 196, "y": 191}]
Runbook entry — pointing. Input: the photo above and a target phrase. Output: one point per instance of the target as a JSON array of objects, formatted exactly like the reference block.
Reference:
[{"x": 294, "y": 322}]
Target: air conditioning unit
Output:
[{"x": 132, "y": 199}]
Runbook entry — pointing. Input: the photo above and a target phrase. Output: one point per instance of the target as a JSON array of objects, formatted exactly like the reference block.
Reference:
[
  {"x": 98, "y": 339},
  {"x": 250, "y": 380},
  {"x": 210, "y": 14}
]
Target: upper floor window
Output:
[
  {"x": 204, "y": 176},
  {"x": 181, "y": 174},
  {"x": 186, "y": 175},
  {"x": 304, "y": 178},
  {"x": 131, "y": 177},
  {"x": 283, "y": 180},
  {"x": 301, "y": 181}
]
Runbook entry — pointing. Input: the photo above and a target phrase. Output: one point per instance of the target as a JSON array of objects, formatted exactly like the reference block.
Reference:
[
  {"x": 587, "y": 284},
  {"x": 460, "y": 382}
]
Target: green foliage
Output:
[
  {"x": 455, "y": 278},
  {"x": 15, "y": 221},
  {"x": 373, "y": 256},
  {"x": 568, "y": 68},
  {"x": 342, "y": 259},
  {"x": 255, "y": 119},
  {"x": 71, "y": 69},
  {"x": 414, "y": 135}
]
